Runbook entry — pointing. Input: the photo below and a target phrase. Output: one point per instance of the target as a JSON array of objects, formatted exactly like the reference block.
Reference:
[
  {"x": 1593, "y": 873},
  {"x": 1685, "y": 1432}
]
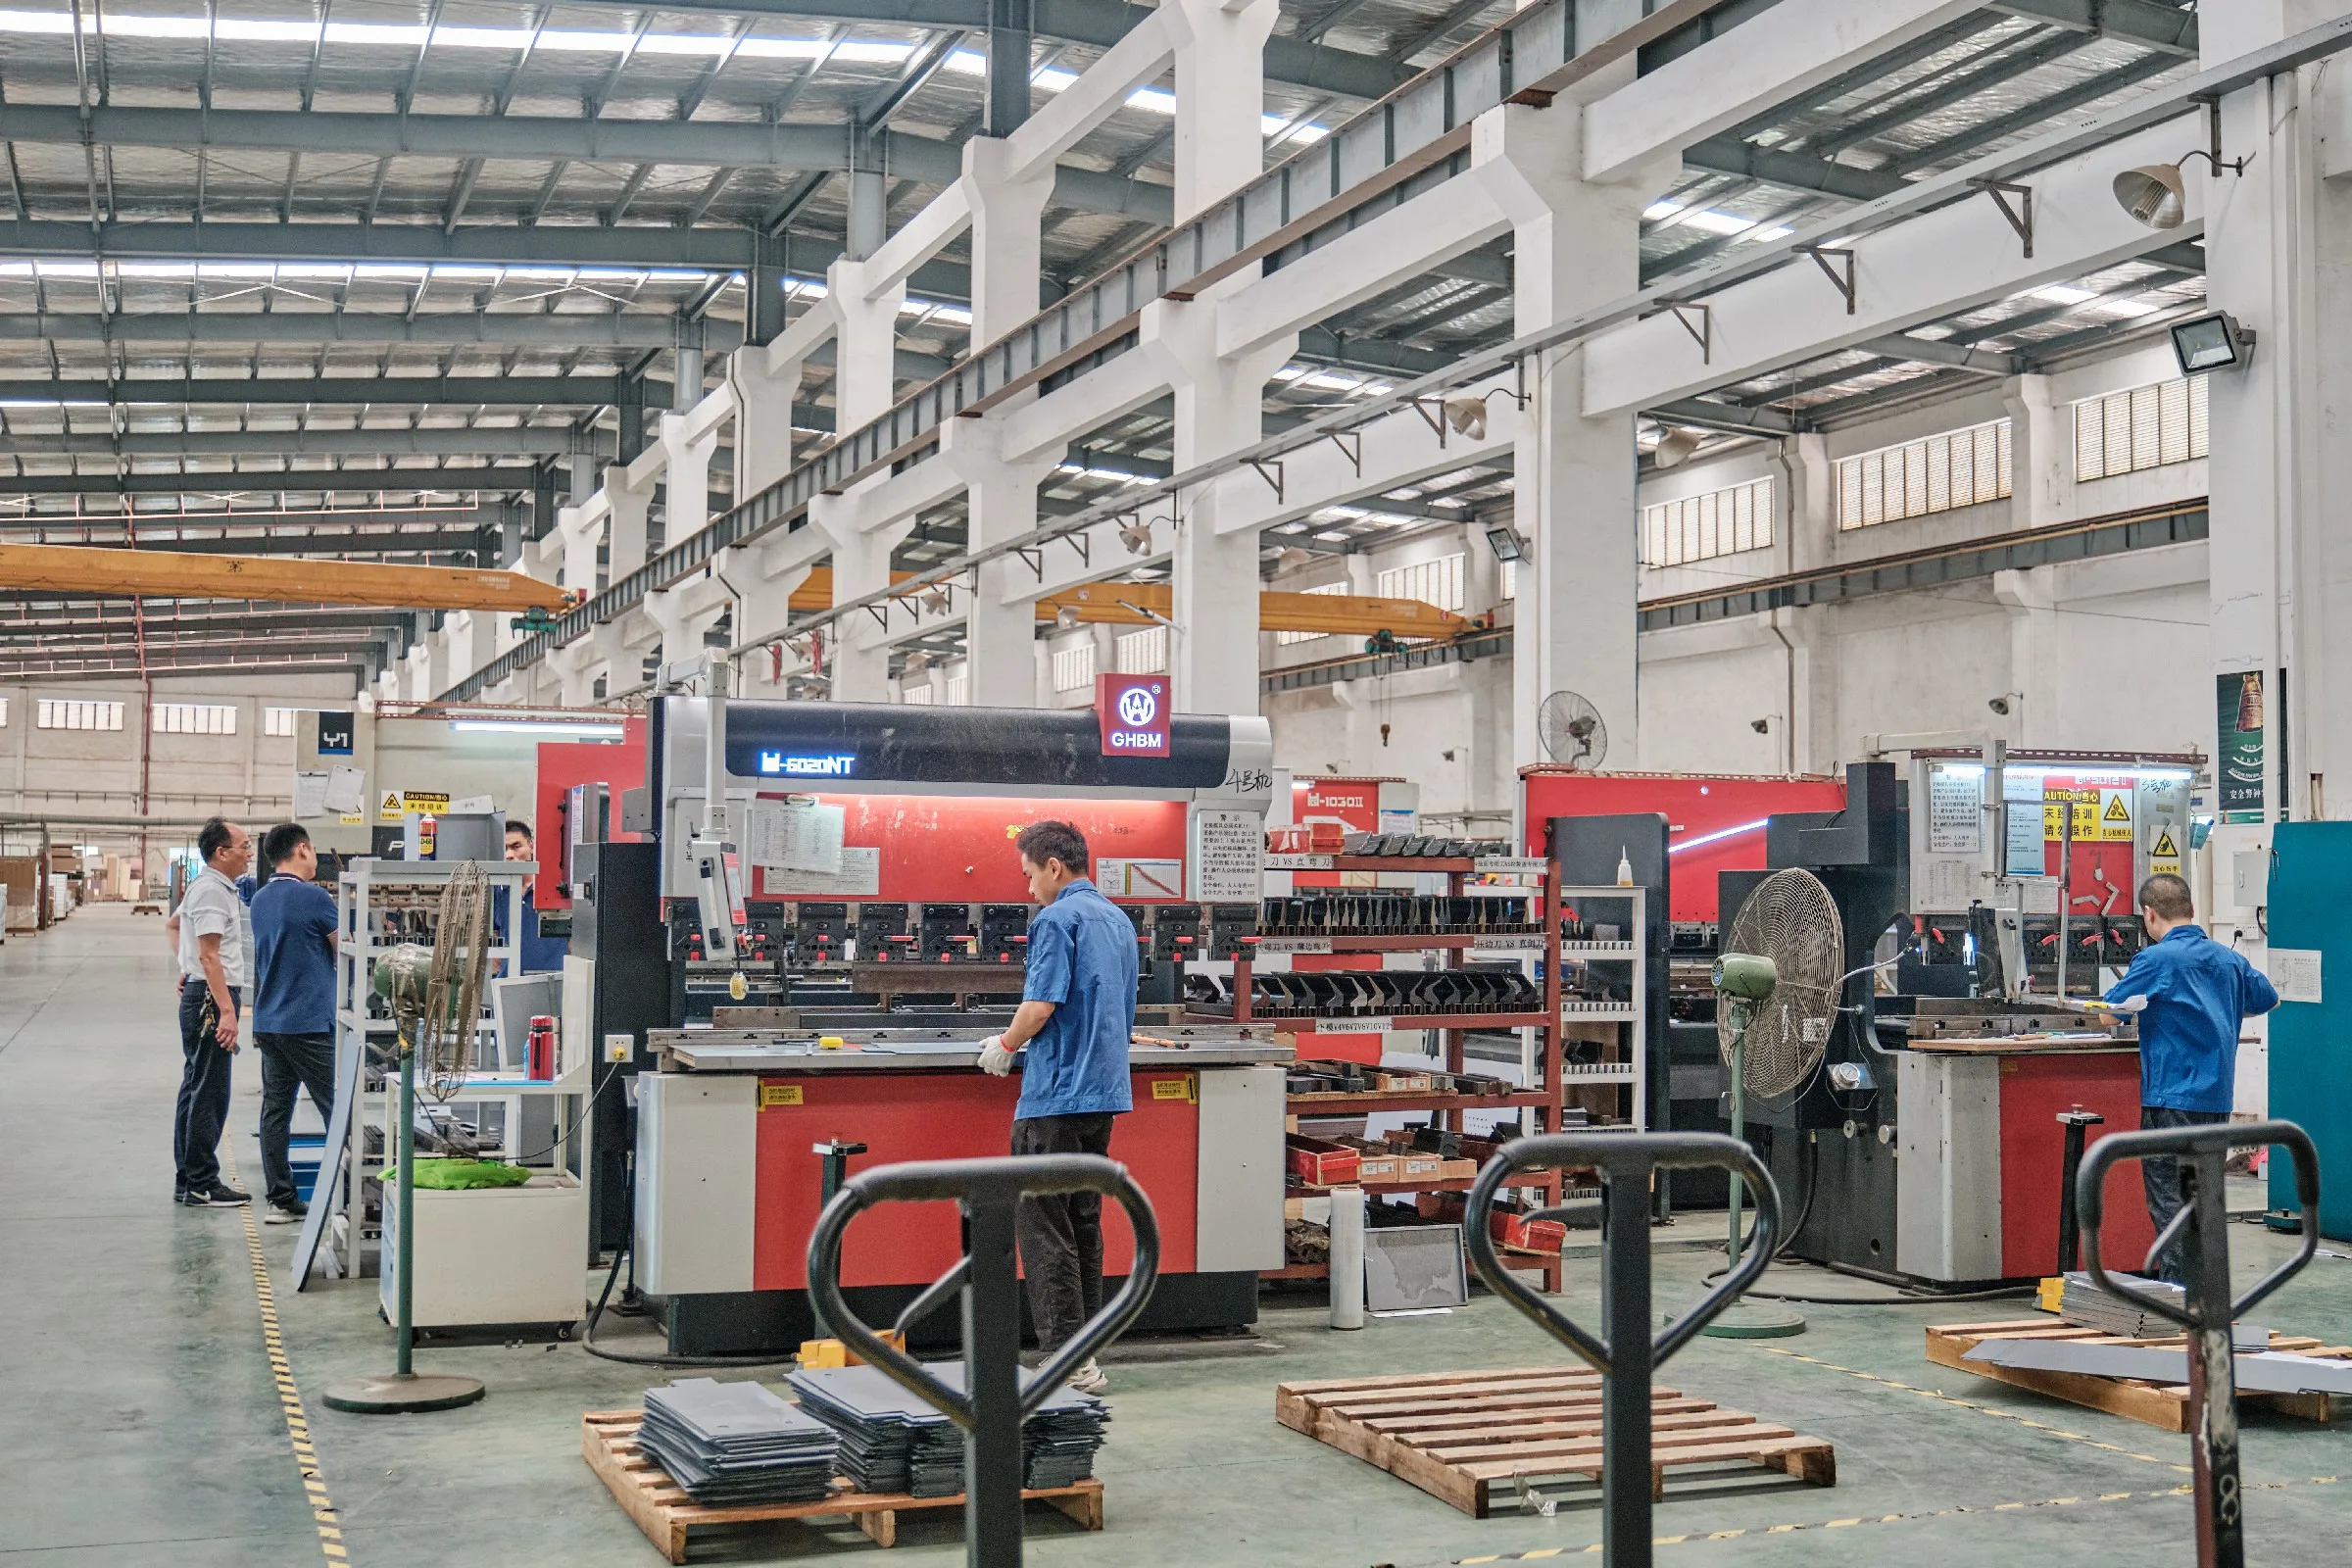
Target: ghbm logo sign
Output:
[
  {"x": 840, "y": 765},
  {"x": 1133, "y": 713}
]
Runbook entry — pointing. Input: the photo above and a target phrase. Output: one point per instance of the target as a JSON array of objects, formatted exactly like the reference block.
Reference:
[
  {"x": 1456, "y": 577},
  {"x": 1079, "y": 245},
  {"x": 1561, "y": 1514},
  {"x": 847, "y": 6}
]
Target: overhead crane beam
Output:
[
  {"x": 177, "y": 575},
  {"x": 1148, "y": 604}
]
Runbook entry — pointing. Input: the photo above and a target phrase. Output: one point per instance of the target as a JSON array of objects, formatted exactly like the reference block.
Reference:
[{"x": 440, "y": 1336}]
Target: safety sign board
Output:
[{"x": 393, "y": 805}]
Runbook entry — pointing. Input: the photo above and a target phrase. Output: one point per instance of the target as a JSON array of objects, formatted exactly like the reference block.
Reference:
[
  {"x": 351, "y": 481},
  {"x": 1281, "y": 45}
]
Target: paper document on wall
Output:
[
  {"x": 346, "y": 789},
  {"x": 2295, "y": 971},
  {"x": 860, "y": 877},
  {"x": 310, "y": 795},
  {"x": 798, "y": 837}
]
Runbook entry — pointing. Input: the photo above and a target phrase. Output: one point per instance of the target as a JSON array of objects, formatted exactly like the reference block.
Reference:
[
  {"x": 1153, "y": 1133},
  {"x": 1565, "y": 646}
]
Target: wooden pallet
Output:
[
  {"x": 2160, "y": 1406},
  {"x": 666, "y": 1515},
  {"x": 1457, "y": 1435}
]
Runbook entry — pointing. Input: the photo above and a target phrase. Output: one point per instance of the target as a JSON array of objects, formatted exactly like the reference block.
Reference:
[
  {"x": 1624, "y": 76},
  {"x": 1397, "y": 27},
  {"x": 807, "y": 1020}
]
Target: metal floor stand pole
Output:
[
  {"x": 2212, "y": 1371},
  {"x": 2078, "y": 1123},
  {"x": 1625, "y": 1534},
  {"x": 2205, "y": 1308},
  {"x": 994, "y": 1401},
  {"x": 1625, "y": 1354},
  {"x": 404, "y": 1332},
  {"x": 403, "y": 1390},
  {"x": 992, "y": 1368}
]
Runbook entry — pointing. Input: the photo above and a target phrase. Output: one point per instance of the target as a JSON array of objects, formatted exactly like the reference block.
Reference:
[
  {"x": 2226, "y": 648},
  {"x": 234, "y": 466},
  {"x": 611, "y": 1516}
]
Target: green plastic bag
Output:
[{"x": 458, "y": 1175}]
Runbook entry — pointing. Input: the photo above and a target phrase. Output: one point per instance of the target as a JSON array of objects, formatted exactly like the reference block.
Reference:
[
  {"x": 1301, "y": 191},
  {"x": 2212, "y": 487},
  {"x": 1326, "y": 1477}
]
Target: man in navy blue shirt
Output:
[
  {"x": 1076, "y": 1016},
  {"x": 538, "y": 954},
  {"x": 2191, "y": 994},
  {"x": 294, "y": 1003}
]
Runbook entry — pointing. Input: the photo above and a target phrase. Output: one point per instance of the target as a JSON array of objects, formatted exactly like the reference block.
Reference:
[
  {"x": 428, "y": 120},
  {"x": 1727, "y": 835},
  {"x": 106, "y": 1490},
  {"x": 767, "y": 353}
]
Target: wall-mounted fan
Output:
[{"x": 1572, "y": 731}]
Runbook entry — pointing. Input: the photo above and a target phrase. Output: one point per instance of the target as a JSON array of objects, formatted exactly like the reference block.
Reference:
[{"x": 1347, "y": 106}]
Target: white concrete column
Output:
[
  {"x": 1213, "y": 653},
  {"x": 578, "y": 534},
  {"x": 1000, "y": 638},
  {"x": 684, "y": 613},
  {"x": 1220, "y": 134},
  {"x": 574, "y": 668},
  {"x": 864, "y": 367},
  {"x": 627, "y": 532},
  {"x": 1577, "y": 245},
  {"x": 1007, "y": 235},
  {"x": 686, "y": 509},
  {"x": 857, "y": 659},
  {"x": 2034, "y": 669},
  {"x": 2041, "y": 455},
  {"x": 473, "y": 639},
  {"x": 763, "y": 419},
  {"x": 425, "y": 661}
]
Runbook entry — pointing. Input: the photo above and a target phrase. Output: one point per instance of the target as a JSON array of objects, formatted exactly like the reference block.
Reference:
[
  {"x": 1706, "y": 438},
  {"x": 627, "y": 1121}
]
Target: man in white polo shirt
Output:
[{"x": 208, "y": 935}]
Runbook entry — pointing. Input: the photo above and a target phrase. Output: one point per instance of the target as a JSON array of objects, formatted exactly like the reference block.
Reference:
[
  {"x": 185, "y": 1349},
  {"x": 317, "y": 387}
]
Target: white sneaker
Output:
[{"x": 1089, "y": 1378}]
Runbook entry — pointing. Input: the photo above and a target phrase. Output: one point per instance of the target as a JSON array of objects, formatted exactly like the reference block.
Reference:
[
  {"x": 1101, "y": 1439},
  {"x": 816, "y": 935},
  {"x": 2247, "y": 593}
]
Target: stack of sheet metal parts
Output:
[
  {"x": 2086, "y": 1305},
  {"x": 737, "y": 1443},
  {"x": 892, "y": 1440}
]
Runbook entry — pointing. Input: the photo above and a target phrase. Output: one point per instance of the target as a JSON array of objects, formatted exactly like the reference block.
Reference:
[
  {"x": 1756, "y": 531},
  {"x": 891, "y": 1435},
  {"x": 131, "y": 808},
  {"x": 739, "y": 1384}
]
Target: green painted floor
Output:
[{"x": 138, "y": 1424}]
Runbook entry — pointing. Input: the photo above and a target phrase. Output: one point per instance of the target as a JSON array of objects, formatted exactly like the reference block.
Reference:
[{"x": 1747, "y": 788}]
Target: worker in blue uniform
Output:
[
  {"x": 538, "y": 954},
  {"x": 2190, "y": 994},
  {"x": 1070, "y": 1034}
]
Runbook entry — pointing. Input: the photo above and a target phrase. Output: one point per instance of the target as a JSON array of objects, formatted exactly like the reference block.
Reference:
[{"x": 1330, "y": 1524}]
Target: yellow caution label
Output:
[
  {"x": 2164, "y": 845},
  {"x": 388, "y": 808},
  {"x": 2117, "y": 811},
  {"x": 423, "y": 801},
  {"x": 779, "y": 1094},
  {"x": 1185, "y": 1089}
]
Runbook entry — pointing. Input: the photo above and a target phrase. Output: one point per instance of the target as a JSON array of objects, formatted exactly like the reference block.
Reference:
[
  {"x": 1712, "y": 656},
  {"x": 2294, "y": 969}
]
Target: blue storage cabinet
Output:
[{"x": 2310, "y": 911}]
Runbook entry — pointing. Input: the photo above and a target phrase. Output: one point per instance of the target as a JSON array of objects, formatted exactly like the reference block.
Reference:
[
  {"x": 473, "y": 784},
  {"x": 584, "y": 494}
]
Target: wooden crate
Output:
[
  {"x": 1458, "y": 1434},
  {"x": 667, "y": 1516},
  {"x": 2160, "y": 1406}
]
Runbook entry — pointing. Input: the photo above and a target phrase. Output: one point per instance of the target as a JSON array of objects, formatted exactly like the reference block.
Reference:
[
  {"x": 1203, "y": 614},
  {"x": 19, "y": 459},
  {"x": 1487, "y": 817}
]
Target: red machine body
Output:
[
  {"x": 1715, "y": 821},
  {"x": 617, "y": 765}
]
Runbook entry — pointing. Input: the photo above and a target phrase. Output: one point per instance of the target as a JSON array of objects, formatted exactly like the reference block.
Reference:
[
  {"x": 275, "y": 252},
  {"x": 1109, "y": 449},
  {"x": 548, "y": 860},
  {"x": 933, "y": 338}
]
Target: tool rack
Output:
[{"x": 1538, "y": 937}]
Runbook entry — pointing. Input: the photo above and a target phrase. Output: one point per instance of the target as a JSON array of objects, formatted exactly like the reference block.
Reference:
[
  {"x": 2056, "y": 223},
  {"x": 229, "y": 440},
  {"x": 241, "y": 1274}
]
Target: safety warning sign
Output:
[{"x": 2100, "y": 813}]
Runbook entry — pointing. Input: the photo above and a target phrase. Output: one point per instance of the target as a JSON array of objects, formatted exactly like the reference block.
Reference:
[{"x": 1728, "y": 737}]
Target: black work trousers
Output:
[
  {"x": 290, "y": 1062},
  {"x": 202, "y": 1106},
  {"x": 1062, "y": 1235},
  {"x": 2161, "y": 1177}
]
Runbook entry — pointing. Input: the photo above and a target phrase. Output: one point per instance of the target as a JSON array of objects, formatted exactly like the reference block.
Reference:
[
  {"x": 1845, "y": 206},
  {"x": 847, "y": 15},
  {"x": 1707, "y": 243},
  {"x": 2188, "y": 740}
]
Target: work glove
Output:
[{"x": 995, "y": 1059}]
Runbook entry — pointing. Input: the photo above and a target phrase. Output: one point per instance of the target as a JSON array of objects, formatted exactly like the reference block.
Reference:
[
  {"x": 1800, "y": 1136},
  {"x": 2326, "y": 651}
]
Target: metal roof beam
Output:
[
  {"x": 2149, "y": 23},
  {"x": 1096, "y": 23},
  {"x": 732, "y": 144},
  {"x": 347, "y": 481}
]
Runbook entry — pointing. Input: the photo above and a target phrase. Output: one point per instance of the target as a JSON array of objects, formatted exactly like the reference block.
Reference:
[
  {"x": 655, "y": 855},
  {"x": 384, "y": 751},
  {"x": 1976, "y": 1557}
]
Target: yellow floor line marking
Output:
[
  {"x": 289, "y": 1397},
  {"x": 1981, "y": 1409},
  {"x": 1883, "y": 1519}
]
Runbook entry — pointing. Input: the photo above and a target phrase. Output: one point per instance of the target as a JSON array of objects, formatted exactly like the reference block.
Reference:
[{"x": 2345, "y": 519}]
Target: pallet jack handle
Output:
[
  {"x": 993, "y": 1403},
  {"x": 2205, "y": 1308},
  {"x": 1625, "y": 1354}
]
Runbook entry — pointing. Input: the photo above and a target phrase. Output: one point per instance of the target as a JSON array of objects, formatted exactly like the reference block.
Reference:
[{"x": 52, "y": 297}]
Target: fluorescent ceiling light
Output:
[{"x": 2064, "y": 294}]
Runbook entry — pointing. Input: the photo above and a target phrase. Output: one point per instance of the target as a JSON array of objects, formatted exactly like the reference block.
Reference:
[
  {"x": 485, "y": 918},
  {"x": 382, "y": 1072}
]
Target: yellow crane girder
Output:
[
  {"x": 1149, "y": 604},
  {"x": 277, "y": 579}
]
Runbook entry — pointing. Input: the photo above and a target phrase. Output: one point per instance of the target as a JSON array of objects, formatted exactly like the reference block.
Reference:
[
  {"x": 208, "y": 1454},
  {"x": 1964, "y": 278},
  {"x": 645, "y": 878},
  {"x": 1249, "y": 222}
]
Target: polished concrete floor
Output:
[{"x": 139, "y": 1423}]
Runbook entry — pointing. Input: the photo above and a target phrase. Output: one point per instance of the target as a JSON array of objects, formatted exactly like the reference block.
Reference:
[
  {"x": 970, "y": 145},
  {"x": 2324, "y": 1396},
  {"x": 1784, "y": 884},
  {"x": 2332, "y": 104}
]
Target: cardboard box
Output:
[
  {"x": 1320, "y": 1163},
  {"x": 1374, "y": 1163}
]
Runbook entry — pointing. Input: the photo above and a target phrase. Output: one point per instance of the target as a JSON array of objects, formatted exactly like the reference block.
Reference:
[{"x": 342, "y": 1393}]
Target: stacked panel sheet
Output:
[
  {"x": 892, "y": 1440},
  {"x": 2086, "y": 1305},
  {"x": 736, "y": 1444}
]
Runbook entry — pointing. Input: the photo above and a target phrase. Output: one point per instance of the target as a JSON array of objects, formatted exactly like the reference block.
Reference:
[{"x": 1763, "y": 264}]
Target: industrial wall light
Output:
[
  {"x": 1468, "y": 417},
  {"x": 1675, "y": 447},
  {"x": 1504, "y": 541},
  {"x": 1137, "y": 537},
  {"x": 1067, "y": 619},
  {"x": 2152, "y": 193},
  {"x": 2214, "y": 342}
]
